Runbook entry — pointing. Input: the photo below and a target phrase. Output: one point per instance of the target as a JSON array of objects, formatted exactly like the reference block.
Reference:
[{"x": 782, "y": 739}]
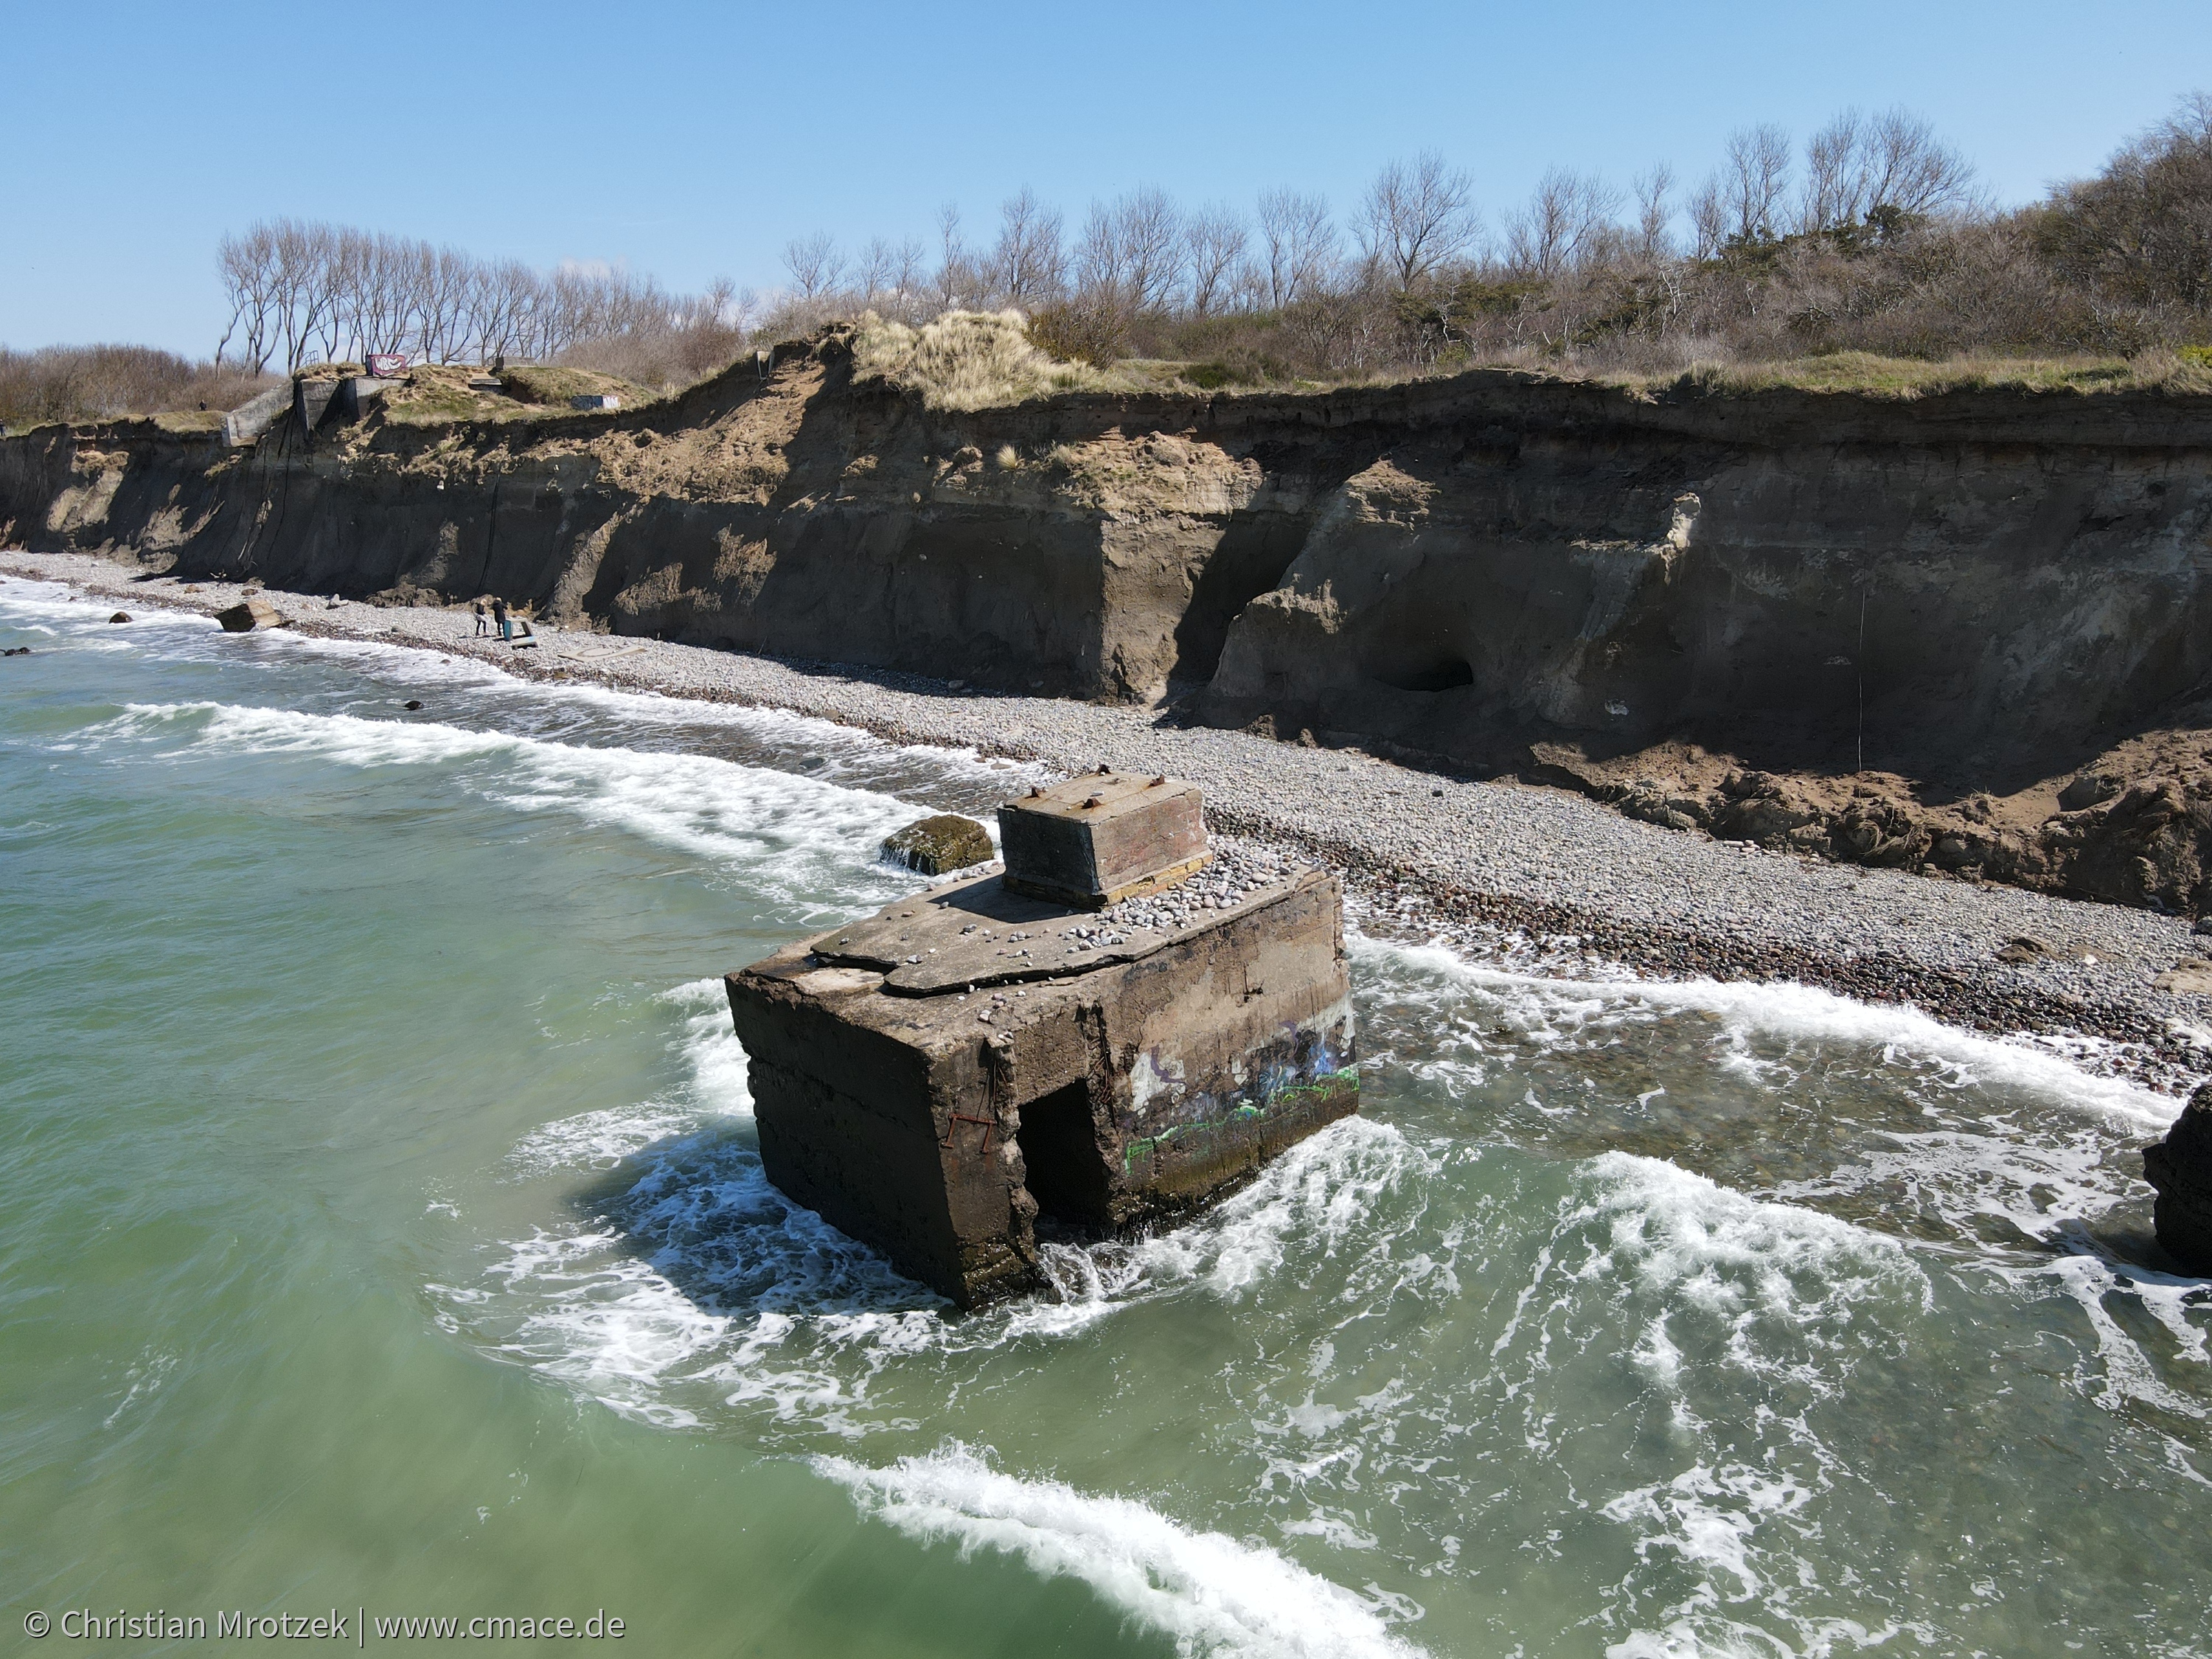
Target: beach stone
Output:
[
  {"x": 119, "y": 616},
  {"x": 2180, "y": 1169},
  {"x": 940, "y": 843},
  {"x": 2089, "y": 789},
  {"x": 245, "y": 617}
]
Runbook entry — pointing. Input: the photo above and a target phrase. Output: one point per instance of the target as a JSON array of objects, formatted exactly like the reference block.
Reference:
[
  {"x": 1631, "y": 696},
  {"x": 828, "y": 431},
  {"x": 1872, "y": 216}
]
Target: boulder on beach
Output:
[
  {"x": 245, "y": 617},
  {"x": 2180, "y": 1169},
  {"x": 937, "y": 844},
  {"x": 120, "y": 615}
]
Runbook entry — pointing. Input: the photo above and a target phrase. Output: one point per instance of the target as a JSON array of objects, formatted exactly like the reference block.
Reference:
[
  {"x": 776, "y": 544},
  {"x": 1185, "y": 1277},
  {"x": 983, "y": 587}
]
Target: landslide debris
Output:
[{"x": 2132, "y": 827}]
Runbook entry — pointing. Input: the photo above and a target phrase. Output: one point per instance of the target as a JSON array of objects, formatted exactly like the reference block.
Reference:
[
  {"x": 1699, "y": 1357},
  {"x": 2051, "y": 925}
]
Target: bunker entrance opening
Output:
[{"x": 1066, "y": 1172}]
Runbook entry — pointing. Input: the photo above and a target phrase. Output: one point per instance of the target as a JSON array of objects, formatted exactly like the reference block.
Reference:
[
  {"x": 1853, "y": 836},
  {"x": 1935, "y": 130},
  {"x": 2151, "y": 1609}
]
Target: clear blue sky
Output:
[{"x": 693, "y": 140}]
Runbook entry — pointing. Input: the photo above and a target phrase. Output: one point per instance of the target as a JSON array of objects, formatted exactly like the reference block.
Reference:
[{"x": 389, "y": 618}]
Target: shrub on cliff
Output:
[{"x": 109, "y": 382}]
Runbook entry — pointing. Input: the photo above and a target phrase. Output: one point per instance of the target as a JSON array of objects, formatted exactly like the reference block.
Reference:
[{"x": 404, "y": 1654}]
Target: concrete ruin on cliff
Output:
[{"x": 1017, "y": 1056}]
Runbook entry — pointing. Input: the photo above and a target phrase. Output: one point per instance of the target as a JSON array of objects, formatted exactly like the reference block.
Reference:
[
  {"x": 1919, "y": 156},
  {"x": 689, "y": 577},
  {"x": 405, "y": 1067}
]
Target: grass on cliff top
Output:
[
  {"x": 973, "y": 359},
  {"x": 550, "y": 386},
  {"x": 2189, "y": 370},
  {"x": 979, "y": 360},
  {"x": 434, "y": 394}
]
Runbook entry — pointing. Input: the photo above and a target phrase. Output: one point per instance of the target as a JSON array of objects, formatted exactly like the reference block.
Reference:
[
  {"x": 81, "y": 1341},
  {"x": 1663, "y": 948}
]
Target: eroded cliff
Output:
[{"x": 1967, "y": 632}]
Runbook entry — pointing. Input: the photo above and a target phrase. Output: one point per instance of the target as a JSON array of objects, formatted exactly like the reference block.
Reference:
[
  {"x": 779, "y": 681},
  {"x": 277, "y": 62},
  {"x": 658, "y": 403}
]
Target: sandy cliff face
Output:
[
  {"x": 1468, "y": 595},
  {"x": 1705, "y": 609}
]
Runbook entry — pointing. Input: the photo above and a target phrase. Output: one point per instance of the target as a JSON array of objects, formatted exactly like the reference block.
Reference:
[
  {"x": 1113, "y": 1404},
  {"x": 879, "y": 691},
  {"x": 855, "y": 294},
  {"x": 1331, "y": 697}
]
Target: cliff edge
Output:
[{"x": 1964, "y": 632}]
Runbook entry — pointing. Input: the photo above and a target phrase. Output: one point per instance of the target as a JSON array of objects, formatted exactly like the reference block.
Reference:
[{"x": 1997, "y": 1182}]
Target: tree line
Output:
[
  {"x": 1871, "y": 234},
  {"x": 302, "y": 291},
  {"x": 1417, "y": 226}
]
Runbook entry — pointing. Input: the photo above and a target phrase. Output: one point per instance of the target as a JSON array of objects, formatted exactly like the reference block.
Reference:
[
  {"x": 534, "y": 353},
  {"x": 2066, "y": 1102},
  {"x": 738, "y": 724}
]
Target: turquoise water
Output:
[{"x": 380, "y": 1227}]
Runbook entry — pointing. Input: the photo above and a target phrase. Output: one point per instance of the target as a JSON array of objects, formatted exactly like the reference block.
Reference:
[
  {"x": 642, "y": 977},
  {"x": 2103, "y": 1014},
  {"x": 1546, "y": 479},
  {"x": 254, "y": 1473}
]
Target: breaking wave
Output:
[
  {"x": 796, "y": 837},
  {"x": 1206, "y": 1592}
]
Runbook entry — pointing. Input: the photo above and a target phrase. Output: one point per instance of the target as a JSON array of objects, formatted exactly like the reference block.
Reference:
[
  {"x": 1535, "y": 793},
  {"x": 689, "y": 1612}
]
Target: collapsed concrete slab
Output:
[
  {"x": 248, "y": 615},
  {"x": 967, "y": 1068},
  {"x": 939, "y": 844}
]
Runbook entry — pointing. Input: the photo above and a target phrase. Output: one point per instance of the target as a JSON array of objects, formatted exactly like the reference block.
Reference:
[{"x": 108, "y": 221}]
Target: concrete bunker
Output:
[{"x": 1088, "y": 1041}]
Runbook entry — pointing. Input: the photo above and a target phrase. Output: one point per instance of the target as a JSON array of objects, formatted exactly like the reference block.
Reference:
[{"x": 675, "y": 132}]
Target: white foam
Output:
[
  {"x": 1708, "y": 1517},
  {"x": 710, "y": 1048},
  {"x": 1972, "y": 1173},
  {"x": 598, "y": 1140},
  {"x": 690, "y": 1289},
  {"x": 1207, "y": 1593},
  {"x": 1786, "y": 1009},
  {"x": 790, "y": 835},
  {"x": 838, "y": 749},
  {"x": 2122, "y": 1371},
  {"x": 1687, "y": 1235},
  {"x": 1316, "y": 1195}
]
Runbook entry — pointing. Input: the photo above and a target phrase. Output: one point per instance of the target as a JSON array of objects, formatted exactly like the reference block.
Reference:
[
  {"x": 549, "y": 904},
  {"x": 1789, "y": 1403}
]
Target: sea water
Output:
[{"x": 382, "y": 1230}]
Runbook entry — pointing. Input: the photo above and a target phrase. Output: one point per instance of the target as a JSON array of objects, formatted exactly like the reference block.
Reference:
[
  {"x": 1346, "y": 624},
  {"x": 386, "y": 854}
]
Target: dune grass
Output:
[
  {"x": 1865, "y": 374},
  {"x": 973, "y": 359}
]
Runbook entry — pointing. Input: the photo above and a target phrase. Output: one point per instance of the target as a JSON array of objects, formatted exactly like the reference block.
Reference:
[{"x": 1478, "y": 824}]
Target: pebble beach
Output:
[{"x": 1529, "y": 879}]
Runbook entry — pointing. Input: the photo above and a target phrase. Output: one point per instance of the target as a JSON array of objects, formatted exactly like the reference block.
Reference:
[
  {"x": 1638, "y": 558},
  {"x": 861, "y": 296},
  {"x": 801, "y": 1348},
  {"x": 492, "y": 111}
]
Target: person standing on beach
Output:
[
  {"x": 499, "y": 616},
  {"x": 483, "y": 620}
]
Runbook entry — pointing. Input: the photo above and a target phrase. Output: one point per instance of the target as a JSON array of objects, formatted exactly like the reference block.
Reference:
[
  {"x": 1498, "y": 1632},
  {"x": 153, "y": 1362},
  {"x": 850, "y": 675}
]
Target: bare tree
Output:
[
  {"x": 501, "y": 300},
  {"x": 1213, "y": 248},
  {"x": 814, "y": 262},
  {"x": 1653, "y": 214},
  {"x": 1151, "y": 230},
  {"x": 1099, "y": 277},
  {"x": 873, "y": 272},
  {"x": 1298, "y": 244},
  {"x": 443, "y": 277},
  {"x": 1708, "y": 219},
  {"x": 1909, "y": 168},
  {"x": 1129, "y": 257},
  {"x": 907, "y": 276},
  {"x": 1855, "y": 168},
  {"x": 1755, "y": 176},
  {"x": 345, "y": 255},
  {"x": 732, "y": 307},
  {"x": 247, "y": 266},
  {"x": 1562, "y": 225},
  {"x": 384, "y": 298},
  {"x": 1029, "y": 265},
  {"x": 955, "y": 280},
  {"x": 1834, "y": 191},
  {"x": 300, "y": 287},
  {"x": 1418, "y": 216},
  {"x": 297, "y": 288}
]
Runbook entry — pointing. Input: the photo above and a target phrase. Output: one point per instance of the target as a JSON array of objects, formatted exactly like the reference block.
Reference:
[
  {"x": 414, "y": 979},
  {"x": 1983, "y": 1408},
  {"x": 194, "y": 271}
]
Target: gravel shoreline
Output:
[{"x": 1528, "y": 879}]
